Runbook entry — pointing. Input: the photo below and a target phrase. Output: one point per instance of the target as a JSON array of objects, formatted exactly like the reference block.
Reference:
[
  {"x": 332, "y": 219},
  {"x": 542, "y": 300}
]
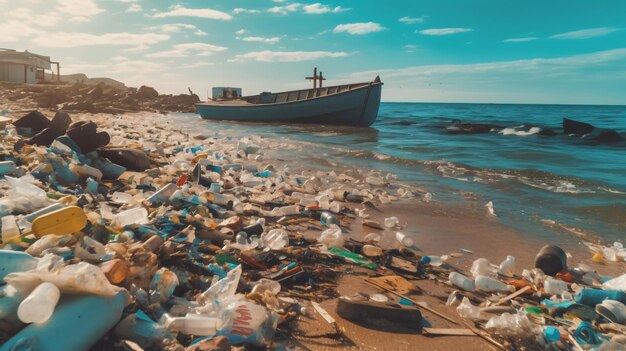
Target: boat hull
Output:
[{"x": 358, "y": 107}]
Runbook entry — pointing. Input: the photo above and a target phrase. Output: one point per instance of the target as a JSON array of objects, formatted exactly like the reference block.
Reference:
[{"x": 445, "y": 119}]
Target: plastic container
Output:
[
  {"x": 137, "y": 215},
  {"x": 121, "y": 197},
  {"x": 551, "y": 259},
  {"x": 489, "y": 284},
  {"x": 461, "y": 281},
  {"x": 508, "y": 266},
  {"x": 404, "y": 239},
  {"x": 275, "y": 239},
  {"x": 551, "y": 334},
  {"x": 554, "y": 286},
  {"x": 163, "y": 194},
  {"x": 39, "y": 305},
  {"x": 593, "y": 297}
]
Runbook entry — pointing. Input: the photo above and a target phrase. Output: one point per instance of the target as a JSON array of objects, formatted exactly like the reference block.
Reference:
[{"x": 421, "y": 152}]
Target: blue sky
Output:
[{"x": 446, "y": 50}]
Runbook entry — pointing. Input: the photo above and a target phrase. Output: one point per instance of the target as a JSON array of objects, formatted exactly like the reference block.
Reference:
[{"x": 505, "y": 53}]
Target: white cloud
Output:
[
  {"x": 586, "y": 33},
  {"x": 411, "y": 20},
  {"x": 179, "y": 10},
  {"x": 519, "y": 40},
  {"x": 272, "y": 40},
  {"x": 410, "y": 47},
  {"x": 200, "y": 32},
  {"x": 286, "y": 56},
  {"x": 27, "y": 16},
  {"x": 73, "y": 39},
  {"x": 172, "y": 27},
  {"x": 119, "y": 58},
  {"x": 188, "y": 49},
  {"x": 359, "y": 28},
  {"x": 444, "y": 31},
  {"x": 137, "y": 48},
  {"x": 136, "y": 67},
  {"x": 317, "y": 9},
  {"x": 79, "y": 10},
  {"x": 284, "y": 10},
  {"x": 239, "y": 10},
  {"x": 197, "y": 64},
  {"x": 134, "y": 8},
  {"x": 240, "y": 32}
]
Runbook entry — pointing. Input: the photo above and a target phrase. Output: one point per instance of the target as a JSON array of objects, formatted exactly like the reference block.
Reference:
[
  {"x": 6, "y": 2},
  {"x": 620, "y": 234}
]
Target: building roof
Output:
[{"x": 25, "y": 58}]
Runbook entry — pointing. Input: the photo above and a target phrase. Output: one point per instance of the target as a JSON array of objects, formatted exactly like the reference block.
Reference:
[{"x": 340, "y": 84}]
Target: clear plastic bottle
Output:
[
  {"x": 39, "y": 305},
  {"x": 507, "y": 267},
  {"x": 486, "y": 283},
  {"x": 404, "y": 239},
  {"x": 461, "y": 281},
  {"x": 328, "y": 219},
  {"x": 121, "y": 197}
]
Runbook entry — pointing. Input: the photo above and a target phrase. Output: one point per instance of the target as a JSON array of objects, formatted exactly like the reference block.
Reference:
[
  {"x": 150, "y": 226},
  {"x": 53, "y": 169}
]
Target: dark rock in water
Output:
[
  {"x": 131, "y": 159},
  {"x": 85, "y": 135},
  {"x": 546, "y": 132},
  {"x": 146, "y": 92},
  {"x": 471, "y": 128},
  {"x": 35, "y": 121},
  {"x": 577, "y": 128},
  {"x": 604, "y": 136}
]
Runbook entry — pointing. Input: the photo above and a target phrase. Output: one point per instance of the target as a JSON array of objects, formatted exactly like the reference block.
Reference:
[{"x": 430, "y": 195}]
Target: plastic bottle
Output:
[
  {"x": 289, "y": 210},
  {"x": 404, "y": 239},
  {"x": 328, "y": 219},
  {"x": 275, "y": 239},
  {"x": 551, "y": 259},
  {"x": 554, "y": 286},
  {"x": 371, "y": 251},
  {"x": 39, "y": 305},
  {"x": 507, "y": 267},
  {"x": 137, "y": 215},
  {"x": 461, "y": 281},
  {"x": 593, "y": 297},
  {"x": 193, "y": 324},
  {"x": 489, "y": 284},
  {"x": 432, "y": 260}
]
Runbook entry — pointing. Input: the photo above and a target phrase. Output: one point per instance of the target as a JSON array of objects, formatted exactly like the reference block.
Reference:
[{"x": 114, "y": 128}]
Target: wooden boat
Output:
[{"x": 349, "y": 104}]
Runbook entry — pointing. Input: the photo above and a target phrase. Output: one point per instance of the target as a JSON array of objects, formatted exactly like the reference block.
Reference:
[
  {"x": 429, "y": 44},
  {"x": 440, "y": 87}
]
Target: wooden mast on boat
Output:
[{"x": 315, "y": 78}]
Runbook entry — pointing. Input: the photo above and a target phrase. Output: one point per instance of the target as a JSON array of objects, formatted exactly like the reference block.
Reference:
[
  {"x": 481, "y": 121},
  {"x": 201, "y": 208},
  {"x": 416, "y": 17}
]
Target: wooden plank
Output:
[
  {"x": 513, "y": 295},
  {"x": 448, "y": 331}
]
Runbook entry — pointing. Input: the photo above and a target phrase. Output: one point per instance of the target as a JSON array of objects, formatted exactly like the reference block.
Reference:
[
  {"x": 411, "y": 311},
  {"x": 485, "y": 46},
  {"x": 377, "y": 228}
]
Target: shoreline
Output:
[{"x": 437, "y": 229}]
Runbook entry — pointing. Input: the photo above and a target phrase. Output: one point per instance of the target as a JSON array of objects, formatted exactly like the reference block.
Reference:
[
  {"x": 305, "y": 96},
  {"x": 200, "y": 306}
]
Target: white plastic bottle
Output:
[
  {"x": 137, "y": 215},
  {"x": 461, "y": 281},
  {"x": 507, "y": 267},
  {"x": 39, "y": 305},
  {"x": 404, "y": 239},
  {"x": 432, "y": 260},
  {"x": 485, "y": 283}
]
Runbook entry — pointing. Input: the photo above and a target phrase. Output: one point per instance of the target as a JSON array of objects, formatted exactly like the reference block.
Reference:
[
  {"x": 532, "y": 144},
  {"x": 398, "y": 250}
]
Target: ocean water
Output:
[{"x": 531, "y": 179}]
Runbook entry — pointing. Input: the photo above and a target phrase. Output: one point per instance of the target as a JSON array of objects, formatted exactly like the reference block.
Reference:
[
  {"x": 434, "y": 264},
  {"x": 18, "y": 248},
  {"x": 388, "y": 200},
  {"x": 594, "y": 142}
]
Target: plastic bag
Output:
[
  {"x": 23, "y": 197},
  {"x": 46, "y": 242},
  {"x": 223, "y": 289},
  {"x": 467, "y": 310},
  {"x": 332, "y": 237},
  {"x": 275, "y": 239},
  {"x": 245, "y": 322},
  {"x": 73, "y": 279},
  {"x": 618, "y": 283}
]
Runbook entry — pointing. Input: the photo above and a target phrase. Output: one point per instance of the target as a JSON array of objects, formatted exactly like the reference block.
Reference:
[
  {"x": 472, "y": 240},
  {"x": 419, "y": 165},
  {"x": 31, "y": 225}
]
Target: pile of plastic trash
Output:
[{"x": 173, "y": 242}]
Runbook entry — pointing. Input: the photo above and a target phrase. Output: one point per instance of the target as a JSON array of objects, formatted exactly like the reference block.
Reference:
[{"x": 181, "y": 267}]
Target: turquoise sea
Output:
[{"x": 530, "y": 178}]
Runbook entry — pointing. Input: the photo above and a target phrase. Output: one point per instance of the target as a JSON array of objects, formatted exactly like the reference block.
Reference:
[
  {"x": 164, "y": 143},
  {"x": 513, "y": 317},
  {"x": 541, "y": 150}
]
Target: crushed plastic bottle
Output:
[
  {"x": 332, "y": 237},
  {"x": 461, "y": 281},
  {"x": 489, "y": 284},
  {"x": 554, "y": 286},
  {"x": 481, "y": 266},
  {"x": 275, "y": 239},
  {"x": 507, "y": 267},
  {"x": 391, "y": 222},
  {"x": 404, "y": 239},
  {"x": 467, "y": 310}
]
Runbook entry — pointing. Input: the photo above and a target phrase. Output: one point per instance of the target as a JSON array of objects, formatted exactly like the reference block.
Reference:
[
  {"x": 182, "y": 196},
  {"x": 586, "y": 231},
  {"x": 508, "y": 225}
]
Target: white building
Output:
[{"x": 24, "y": 67}]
